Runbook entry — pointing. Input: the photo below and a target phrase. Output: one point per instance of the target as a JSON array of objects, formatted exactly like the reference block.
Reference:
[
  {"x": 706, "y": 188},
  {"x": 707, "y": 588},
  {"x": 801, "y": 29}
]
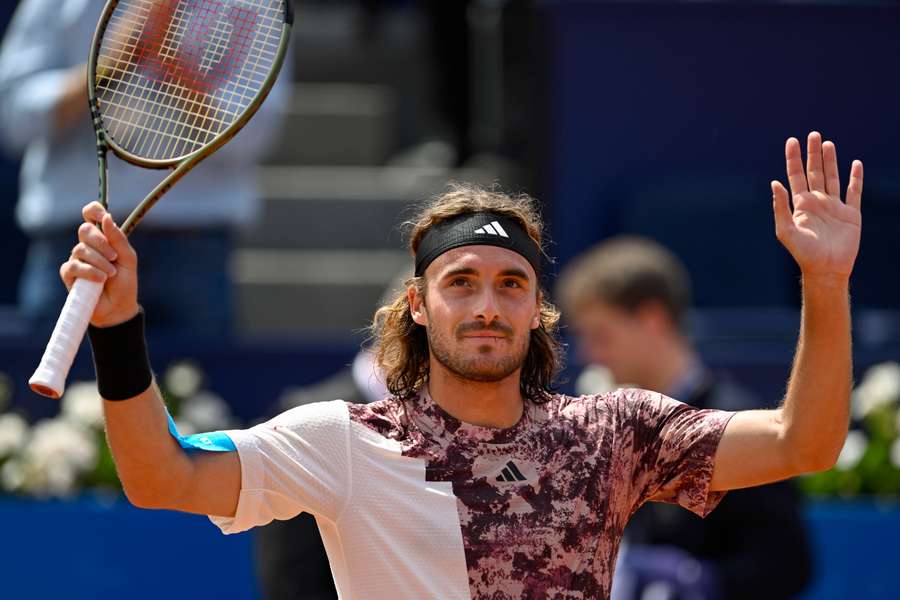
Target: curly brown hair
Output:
[{"x": 401, "y": 345}]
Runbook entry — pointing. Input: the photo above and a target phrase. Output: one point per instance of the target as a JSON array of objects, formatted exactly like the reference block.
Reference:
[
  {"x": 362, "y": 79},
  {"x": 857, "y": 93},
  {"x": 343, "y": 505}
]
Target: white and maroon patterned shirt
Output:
[{"x": 414, "y": 504}]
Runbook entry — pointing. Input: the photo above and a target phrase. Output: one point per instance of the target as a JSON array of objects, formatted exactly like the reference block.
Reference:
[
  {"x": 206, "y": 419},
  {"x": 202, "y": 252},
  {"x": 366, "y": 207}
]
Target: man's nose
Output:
[{"x": 486, "y": 307}]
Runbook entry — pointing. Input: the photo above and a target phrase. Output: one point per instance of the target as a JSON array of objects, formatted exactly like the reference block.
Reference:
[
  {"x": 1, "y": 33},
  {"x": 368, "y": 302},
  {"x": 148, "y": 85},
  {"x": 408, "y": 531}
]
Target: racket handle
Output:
[{"x": 50, "y": 377}]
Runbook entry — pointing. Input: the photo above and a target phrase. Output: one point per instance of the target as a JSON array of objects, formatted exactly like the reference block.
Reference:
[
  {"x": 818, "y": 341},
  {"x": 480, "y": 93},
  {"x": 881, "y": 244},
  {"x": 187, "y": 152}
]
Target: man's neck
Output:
[
  {"x": 673, "y": 359},
  {"x": 496, "y": 404}
]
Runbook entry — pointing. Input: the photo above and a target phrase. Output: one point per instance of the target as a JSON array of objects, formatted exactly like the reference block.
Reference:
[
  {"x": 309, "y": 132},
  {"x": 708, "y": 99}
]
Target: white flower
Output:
[
  {"x": 59, "y": 480},
  {"x": 13, "y": 433},
  {"x": 895, "y": 453},
  {"x": 57, "y": 440},
  {"x": 82, "y": 405},
  {"x": 206, "y": 412},
  {"x": 57, "y": 452},
  {"x": 12, "y": 475},
  {"x": 183, "y": 379},
  {"x": 854, "y": 448},
  {"x": 595, "y": 379},
  {"x": 880, "y": 386}
]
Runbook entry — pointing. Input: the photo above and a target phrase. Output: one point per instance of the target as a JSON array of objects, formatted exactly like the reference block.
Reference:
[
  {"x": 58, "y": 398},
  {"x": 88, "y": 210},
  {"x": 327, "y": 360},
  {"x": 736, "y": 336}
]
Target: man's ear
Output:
[
  {"x": 417, "y": 305},
  {"x": 655, "y": 317},
  {"x": 536, "y": 319}
]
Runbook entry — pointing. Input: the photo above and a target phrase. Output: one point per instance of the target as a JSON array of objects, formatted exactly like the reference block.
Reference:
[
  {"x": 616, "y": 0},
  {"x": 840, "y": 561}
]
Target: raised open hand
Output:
[{"x": 822, "y": 233}]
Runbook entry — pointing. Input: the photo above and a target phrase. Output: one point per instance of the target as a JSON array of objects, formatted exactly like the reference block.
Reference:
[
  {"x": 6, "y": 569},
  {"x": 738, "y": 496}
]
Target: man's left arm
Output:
[{"x": 822, "y": 233}]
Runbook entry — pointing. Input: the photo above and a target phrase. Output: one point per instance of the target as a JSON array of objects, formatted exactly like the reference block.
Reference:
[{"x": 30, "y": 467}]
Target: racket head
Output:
[{"x": 170, "y": 81}]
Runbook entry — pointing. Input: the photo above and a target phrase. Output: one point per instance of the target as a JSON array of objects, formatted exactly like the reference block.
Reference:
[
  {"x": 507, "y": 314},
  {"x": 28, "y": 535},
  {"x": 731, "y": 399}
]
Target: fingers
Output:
[
  {"x": 855, "y": 187},
  {"x": 784, "y": 221},
  {"x": 86, "y": 254},
  {"x": 93, "y": 238},
  {"x": 93, "y": 212},
  {"x": 92, "y": 257},
  {"x": 815, "y": 171},
  {"x": 74, "y": 269},
  {"x": 832, "y": 177},
  {"x": 119, "y": 243},
  {"x": 795, "y": 174},
  {"x": 109, "y": 240}
]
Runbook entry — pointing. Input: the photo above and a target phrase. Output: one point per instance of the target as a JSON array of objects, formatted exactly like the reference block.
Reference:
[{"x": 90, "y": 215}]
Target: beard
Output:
[{"x": 489, "y": 364}]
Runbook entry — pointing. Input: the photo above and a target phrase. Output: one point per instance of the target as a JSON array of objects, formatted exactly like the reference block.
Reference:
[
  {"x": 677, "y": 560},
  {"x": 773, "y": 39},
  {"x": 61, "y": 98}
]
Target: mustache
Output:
[{"x": 476, "y": 327}]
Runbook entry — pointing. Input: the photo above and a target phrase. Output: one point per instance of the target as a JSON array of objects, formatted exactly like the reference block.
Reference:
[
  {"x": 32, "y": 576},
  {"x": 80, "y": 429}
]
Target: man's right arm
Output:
[{"x": 155, "y": 471}]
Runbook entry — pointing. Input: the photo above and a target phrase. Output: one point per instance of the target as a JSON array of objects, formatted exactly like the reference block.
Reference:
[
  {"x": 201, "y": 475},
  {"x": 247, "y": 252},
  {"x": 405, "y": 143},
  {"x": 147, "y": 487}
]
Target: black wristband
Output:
[{"x": 120, "y": 359}]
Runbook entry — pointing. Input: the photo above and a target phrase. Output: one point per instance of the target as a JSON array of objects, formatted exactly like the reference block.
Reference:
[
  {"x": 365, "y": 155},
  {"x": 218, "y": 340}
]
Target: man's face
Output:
[
  {"x": 479, "y": 307},
  {"x": 615, "y": 338}
]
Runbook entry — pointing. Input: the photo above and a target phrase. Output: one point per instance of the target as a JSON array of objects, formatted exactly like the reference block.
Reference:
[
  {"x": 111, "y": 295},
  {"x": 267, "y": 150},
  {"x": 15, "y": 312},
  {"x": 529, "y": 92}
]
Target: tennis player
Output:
[{"x": 474, "y": 480}]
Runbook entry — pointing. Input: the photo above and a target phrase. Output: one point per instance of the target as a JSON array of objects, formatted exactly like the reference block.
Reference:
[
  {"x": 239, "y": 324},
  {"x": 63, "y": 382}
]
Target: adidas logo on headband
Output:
[
  {"x": 492, "y": 228},
  {"x": 470, "y": 229}
]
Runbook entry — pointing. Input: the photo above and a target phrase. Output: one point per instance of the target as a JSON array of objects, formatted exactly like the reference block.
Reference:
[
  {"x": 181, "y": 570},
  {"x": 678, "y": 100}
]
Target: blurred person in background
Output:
[
  {"x": 185, "y": 241},
  {"x": 627, "y": 300}
]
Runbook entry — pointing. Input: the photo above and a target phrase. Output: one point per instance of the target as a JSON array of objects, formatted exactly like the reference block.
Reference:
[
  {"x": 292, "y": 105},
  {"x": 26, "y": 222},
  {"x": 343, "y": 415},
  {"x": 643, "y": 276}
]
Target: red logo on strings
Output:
[{"x": 201, "y": 50}]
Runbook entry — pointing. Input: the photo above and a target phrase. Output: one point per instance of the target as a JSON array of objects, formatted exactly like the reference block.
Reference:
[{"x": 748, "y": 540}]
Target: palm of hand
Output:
[
  {"x": 822, "y": 233},
  {"x": 826, "y": 234}
]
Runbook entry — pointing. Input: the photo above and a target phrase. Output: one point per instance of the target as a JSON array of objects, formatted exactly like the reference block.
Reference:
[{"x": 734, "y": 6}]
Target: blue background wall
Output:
[{"x": 670, "y": 120}]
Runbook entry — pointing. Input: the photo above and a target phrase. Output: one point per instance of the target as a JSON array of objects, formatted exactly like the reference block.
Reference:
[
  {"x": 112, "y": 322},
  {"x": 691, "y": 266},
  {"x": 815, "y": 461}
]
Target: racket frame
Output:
[
  {"x": 49, "y": 378},
  {"x": 182, "y": 164}
]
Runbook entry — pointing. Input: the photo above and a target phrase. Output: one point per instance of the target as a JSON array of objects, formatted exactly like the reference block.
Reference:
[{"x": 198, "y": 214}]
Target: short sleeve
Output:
[
  {"x": 297, "y": 462},
  {"x": 671, "y": 449}
]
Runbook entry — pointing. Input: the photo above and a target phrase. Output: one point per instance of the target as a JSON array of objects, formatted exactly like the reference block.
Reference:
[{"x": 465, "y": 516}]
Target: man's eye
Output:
[
  {"x": 511, "y": 283},
  {"x": 459, "y": 282}
]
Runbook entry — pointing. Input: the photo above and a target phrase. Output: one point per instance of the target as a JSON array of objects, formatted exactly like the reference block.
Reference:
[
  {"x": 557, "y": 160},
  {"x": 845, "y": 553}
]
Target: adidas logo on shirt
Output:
[
  {"x": 492, "y": 228},
  {"x": 510, "y": 472}
]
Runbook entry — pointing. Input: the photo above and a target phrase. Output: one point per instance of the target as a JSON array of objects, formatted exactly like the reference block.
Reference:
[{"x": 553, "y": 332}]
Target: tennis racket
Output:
[{"x": 169, "y": 82}]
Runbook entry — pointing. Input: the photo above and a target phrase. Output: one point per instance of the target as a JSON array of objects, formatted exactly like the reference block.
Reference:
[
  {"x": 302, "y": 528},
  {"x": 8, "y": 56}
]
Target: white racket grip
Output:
[{"x": 50, "y": 377}]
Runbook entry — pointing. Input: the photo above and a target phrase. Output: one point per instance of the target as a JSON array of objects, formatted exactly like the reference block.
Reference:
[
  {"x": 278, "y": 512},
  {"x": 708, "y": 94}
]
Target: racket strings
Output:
[{"x": 172, "y": 75}]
